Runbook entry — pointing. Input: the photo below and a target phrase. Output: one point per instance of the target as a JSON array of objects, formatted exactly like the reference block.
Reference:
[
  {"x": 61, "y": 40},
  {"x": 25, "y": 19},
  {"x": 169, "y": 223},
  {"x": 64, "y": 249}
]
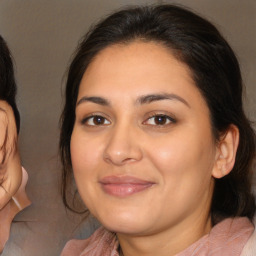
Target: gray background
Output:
[{"x": 42, "y": 34}]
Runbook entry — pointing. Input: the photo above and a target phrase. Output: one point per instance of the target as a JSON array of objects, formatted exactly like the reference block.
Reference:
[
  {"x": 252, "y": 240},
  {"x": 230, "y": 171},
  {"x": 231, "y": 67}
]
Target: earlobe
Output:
[{"x": 226, "y": 152}]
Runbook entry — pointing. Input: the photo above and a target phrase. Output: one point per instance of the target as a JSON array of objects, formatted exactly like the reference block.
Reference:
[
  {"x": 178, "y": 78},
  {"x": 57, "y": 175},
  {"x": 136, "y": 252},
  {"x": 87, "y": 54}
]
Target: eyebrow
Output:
[
  {"x": 145, "y": 99},
  {"x": 97, "y": 100}
]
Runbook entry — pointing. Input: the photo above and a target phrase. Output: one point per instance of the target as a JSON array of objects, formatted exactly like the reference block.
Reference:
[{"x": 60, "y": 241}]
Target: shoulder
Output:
[
  {"x": 250, "y": 247},
  {"x": 226, "y": 238},
  {"x": 231, "y": 235},
  {"x": 102, "y": 242}
]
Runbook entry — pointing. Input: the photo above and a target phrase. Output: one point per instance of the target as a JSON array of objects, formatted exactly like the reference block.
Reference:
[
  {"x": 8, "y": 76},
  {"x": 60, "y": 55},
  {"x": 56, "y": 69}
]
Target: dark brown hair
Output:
[
  {"x": 8, "y": 88},
  {"x": 215, "y": 70},
  {"x": 8, "y": 91}
]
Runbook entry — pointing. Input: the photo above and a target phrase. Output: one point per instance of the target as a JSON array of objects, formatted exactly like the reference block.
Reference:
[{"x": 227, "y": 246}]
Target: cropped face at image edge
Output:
[{"x": 142, "y": 148}]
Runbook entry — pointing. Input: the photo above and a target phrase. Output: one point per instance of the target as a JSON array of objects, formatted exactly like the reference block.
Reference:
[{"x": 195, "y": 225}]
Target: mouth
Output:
[{"x": 123, "y": 186}]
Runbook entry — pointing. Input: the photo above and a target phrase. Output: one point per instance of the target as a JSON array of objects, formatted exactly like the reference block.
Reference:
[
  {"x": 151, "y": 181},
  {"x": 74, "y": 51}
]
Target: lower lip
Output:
[{"x": 124, "y": 190}]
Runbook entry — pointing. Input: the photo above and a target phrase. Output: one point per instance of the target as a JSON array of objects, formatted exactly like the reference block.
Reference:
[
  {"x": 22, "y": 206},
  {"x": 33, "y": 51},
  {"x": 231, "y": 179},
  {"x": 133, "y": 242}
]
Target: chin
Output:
[
  {"x": 125, "y": 228},
  {"x": 126, "y": 223}
]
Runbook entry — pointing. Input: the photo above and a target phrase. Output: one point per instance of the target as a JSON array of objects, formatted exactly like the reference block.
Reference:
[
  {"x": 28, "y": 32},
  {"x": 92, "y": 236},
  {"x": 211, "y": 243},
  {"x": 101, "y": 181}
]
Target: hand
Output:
[{"x": 10, "y": 166}]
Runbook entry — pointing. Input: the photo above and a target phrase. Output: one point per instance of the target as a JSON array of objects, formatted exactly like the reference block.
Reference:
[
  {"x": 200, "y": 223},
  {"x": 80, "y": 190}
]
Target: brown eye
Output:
[
  {"x": 98, "y": 120},
  {"x": 95, "y": 121},
  {"x": 159, "y": 120}
]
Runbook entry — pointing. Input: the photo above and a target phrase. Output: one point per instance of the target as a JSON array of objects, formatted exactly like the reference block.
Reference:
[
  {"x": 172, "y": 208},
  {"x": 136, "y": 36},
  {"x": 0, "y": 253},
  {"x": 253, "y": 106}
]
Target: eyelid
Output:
[
  {"x": 93, "y": 115},
  {"x": 170, "y": 118}
]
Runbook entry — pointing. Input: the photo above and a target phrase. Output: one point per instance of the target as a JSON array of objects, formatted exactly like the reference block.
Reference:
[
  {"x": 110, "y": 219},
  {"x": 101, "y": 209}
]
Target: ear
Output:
[{"x": 226, "y": 152}]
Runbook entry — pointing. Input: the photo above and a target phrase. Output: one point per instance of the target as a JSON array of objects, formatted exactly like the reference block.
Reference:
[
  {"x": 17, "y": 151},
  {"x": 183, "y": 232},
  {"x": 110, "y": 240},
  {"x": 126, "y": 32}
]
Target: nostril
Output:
[
  {"x": 122, "y": 146},
  {"x": 120, "y": 161},
  {"x": 118, "y": 157}
]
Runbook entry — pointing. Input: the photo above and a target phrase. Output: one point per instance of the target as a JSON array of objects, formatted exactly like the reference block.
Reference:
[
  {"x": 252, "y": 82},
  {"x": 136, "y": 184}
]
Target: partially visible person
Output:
[{"x": 13, "y": 177}]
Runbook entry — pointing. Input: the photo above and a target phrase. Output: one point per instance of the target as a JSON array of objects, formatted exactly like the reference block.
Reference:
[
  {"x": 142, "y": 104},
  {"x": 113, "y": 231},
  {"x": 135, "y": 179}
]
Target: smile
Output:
[{"x": 124, "y": 186}]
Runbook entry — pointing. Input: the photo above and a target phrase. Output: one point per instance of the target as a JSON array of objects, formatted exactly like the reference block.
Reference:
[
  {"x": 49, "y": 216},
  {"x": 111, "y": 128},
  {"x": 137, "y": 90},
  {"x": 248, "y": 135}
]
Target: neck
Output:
[{"x": 168, "y": 242}]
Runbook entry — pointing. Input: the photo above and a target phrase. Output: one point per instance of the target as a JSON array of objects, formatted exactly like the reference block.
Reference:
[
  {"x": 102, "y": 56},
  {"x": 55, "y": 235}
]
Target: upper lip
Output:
[{"x": 124, "y": 180}]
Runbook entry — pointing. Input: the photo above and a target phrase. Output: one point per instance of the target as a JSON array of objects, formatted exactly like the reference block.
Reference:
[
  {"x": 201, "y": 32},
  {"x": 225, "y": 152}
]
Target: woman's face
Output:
[{"x": 142, "y": 148}]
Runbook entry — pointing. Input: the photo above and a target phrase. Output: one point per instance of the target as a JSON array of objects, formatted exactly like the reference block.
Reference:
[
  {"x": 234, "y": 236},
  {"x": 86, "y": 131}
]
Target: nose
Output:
[{"x": 123, "y": 146}]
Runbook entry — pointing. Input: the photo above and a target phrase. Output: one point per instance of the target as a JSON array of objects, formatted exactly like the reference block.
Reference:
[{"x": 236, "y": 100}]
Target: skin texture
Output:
[
  {"x": 165, "y": 140},
  {"x": 13, "y": 177},
  {"x": 10, "y": 169}
]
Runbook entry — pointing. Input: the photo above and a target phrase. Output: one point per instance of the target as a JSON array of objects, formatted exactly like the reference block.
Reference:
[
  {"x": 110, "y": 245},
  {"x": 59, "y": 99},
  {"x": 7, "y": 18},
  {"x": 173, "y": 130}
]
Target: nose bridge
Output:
[{"x": 123, "y": 144}]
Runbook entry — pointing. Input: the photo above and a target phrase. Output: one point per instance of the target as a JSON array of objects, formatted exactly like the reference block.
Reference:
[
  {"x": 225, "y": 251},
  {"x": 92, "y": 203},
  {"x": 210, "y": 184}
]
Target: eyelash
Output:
[
  {"x": 86, "y": 120},
  {"x": 165, "y": 118},
  {"x": 102, "y": 120}
]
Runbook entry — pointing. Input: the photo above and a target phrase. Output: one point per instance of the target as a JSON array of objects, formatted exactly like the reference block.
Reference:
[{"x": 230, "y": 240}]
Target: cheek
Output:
[
  {"x": 183, "y": 154},
  {"x": 185, "y": 166},
  {"x": 84, "y": 154},
  {"x": 85, "y": 164}
]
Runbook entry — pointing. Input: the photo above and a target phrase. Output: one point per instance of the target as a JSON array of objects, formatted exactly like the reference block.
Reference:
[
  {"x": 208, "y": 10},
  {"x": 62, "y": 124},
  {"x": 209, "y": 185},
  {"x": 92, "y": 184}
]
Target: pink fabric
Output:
[
  {"x": 16, "y": 204},
  {"x": 228, "y": 238},
  {"x": 250, "y": 247},
  {"x": 101, "y": 243},
  {"x": 225, "y": 239}
]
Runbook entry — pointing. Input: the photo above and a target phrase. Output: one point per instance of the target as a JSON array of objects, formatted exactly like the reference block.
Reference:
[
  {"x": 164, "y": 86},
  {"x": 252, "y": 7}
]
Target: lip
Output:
[{"x": 123, "y": 186}]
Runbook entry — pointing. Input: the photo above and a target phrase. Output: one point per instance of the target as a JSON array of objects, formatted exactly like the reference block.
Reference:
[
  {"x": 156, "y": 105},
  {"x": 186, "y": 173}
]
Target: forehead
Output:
[{"x": 136, "y": 68}]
